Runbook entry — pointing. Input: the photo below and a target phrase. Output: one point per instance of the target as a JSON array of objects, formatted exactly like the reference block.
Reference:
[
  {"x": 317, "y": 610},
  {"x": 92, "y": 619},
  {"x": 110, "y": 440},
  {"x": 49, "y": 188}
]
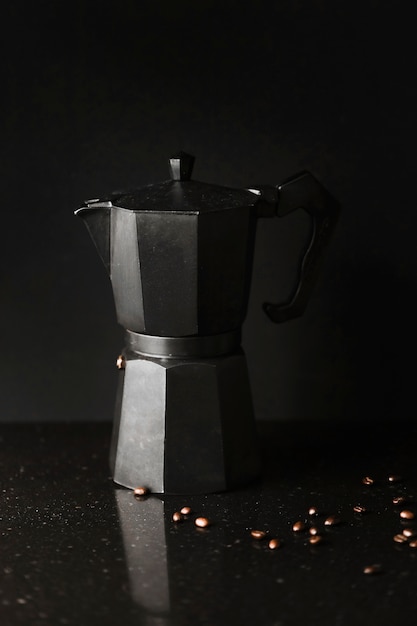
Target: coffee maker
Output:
[{"x": 179, "y": 256}]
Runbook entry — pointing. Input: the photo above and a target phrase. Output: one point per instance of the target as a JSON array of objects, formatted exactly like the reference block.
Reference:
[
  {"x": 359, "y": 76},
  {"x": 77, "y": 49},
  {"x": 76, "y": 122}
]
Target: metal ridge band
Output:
[{"x": 178, "y": 347}]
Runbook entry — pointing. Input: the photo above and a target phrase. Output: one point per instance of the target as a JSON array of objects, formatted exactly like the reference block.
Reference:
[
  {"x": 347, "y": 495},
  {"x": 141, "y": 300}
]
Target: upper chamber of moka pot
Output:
[{"x": 179, "y": 253}]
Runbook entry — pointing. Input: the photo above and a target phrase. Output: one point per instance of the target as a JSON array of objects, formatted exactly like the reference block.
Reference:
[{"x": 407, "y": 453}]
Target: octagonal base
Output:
[{"x": 184, "y": 426}]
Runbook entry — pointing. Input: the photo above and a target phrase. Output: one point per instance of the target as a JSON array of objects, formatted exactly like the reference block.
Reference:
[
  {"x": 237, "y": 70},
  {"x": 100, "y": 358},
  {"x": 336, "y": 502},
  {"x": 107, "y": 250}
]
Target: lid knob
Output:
[{"x": 181, "y": 166}]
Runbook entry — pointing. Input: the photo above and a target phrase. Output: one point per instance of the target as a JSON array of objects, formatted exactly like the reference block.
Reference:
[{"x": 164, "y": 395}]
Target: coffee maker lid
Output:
[{"x": 180, "y": 194}]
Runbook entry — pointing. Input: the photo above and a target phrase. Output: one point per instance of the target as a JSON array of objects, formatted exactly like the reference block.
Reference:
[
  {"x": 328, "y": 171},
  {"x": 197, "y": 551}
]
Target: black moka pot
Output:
[{"x": 179, "y": 255}]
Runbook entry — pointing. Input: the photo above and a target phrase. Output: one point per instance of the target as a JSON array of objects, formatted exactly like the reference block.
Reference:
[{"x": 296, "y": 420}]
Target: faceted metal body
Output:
[
  {"x": 179, "y": 255},
  {"x": 184, "y": 425},
  {"x": 179, "y": 272}
]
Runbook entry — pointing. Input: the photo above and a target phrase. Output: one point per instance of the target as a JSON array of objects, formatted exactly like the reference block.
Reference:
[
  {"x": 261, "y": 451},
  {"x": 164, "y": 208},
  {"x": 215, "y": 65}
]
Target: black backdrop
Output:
[{"x": 97, "y": 95}]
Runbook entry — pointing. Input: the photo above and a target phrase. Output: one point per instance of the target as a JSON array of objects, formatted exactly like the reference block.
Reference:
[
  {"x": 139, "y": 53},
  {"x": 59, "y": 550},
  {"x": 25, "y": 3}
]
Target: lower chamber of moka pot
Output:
[{"x": 184, "y": 425}]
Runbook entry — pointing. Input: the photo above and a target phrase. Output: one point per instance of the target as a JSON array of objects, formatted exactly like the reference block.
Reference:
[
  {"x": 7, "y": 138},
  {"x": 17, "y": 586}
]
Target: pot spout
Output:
[{"x": 96, "y": 216}]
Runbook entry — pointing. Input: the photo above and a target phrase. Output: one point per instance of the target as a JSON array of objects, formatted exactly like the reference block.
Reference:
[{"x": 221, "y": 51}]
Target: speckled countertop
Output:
[{"x": 76, "y": 549}]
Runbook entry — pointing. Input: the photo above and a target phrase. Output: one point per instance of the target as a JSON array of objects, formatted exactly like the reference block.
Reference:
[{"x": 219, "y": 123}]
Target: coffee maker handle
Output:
[{"x": 301, "y": 191}]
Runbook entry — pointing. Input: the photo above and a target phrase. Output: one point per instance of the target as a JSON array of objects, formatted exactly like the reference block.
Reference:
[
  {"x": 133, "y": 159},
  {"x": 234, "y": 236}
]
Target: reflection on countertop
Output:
[{"x": 77, "y": 549}]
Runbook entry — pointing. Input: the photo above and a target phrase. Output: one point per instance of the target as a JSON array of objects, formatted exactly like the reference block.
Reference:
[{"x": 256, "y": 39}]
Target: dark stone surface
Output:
[{"x": 76, "y": 549}]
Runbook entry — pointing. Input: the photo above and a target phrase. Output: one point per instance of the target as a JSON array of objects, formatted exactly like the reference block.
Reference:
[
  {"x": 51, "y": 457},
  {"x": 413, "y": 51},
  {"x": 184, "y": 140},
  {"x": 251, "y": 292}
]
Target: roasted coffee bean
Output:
[
  {"x": 359, "y": 509},
  {"x": 274, "y": 544},
  {"x": 202, "y": 522},
  {"x": 298, "y": 526},
  {"x": 312, "y": 510},
  {"x": 400, "y": 538},
  {"x": 313, "y": 531},
  {"x": 413, "y": 543},
  {"x": 186, "y": 510},
  {"x": 258, "y": 534},
  {"x": 399, "y": 500},
  {"x": 332, "y": 520},
  {"x": 367, "y": 480},
  {"x": 372, "y": 569},
  {"x": 405, "y": 514},
  {"x": 176, "y": 517},
  {"x": 394, "y": 478},
  {"x": 315, "y": 539},
  {"x": 409, "y": 532}
]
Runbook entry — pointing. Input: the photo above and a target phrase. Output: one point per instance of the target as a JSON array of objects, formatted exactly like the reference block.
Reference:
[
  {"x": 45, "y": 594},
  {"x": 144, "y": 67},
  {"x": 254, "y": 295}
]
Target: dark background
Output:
[{"x": 97, "y": 95}]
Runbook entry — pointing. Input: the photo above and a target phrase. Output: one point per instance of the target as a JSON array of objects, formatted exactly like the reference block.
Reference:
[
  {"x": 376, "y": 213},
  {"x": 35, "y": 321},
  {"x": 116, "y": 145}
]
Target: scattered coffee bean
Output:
[
  {"x": 367, "y": 480},
  {"x": 405, "y": 514},
  {"x": 258, "y": 534},
  {"x": 359, "y": 509},
  {"x": 394, "y": 478},
  {"x": 315, "y": 539},
  {"x": 274, "y": 544},
  {"x": 298, "y": 526},
  {"x": 202, "y": 522},
  {"x": 141, "y": 491},
  {"x": 372, "y": 569},
  {"x": 186, "y": 510},
  {"x": 313, "y": 531},
  {"x": 400, "y": 538},
  {"x": 413, "y": 543},
  {"x": 332, "y": 520},
  {"x": 399, "y": 500},
  {"x": 312, "y": 510},
  {"x": 176, "y": 517},
  {"x": 409, "y": 532}
]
